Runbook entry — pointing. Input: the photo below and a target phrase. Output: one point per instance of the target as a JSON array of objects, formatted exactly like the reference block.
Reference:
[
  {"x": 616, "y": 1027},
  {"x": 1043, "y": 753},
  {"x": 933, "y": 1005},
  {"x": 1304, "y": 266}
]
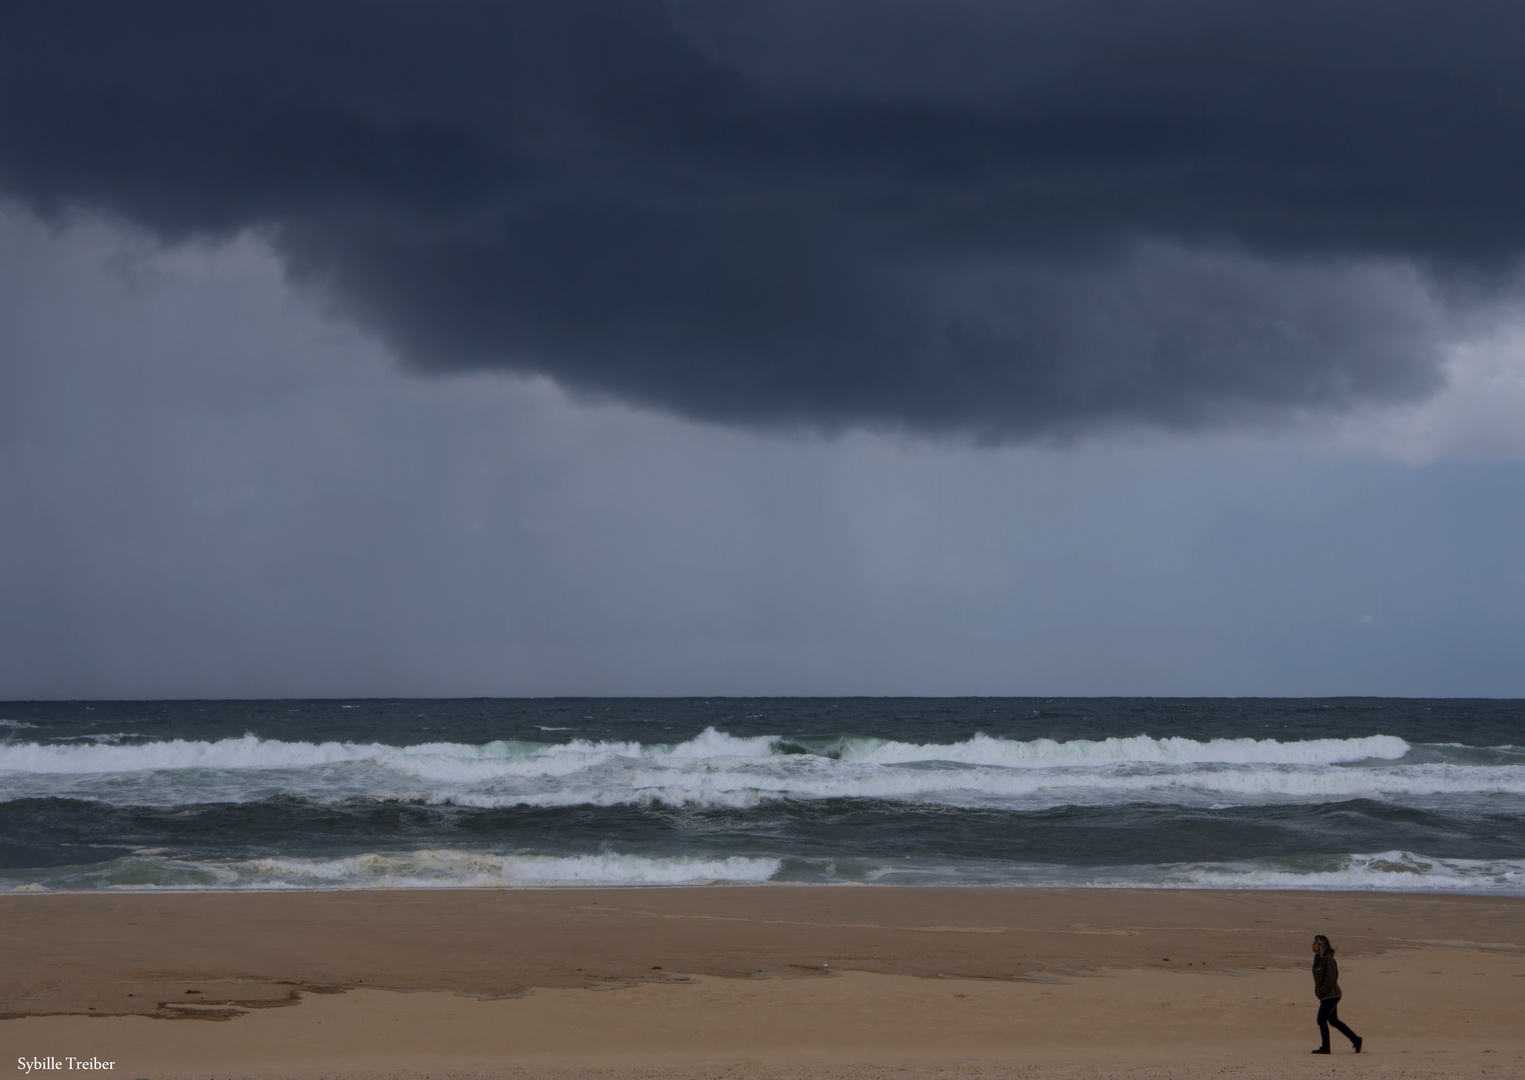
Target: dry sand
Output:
[{"x": 760, "y": 982}]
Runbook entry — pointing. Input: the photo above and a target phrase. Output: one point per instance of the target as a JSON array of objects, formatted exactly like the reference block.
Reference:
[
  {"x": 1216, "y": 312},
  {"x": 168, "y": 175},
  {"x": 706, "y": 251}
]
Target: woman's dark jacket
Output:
[{"x": 1326, "y": 977}]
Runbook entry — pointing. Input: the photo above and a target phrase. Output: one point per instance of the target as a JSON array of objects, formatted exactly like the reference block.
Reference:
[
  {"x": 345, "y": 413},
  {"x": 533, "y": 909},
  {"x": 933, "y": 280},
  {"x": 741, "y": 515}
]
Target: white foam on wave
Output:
[
  {"x": 248, "y": 752},
  {"x": 1385, "y": 871},
  {"x": 508, "y": 758},
  {"x": 423, "y": 869},
  {"x": 1140, "y": 749},
  {"x": 428, "y": 869},
  {"x": 744, "y": 789},
  {"x": 716, "y": 769},
  {"x": 710, "y": 743},
  {"x": 448, "y": 768},
  {"x": 471, "y": 761}
]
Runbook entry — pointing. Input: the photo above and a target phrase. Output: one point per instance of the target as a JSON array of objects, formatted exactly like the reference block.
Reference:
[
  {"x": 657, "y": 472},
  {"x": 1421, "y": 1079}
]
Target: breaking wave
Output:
[
  {"x": 473, "y": 794},
  {"x": 529, "y": 758},
  {"x": 742, "y": 791},
  {"x": 716, "y": 769}
]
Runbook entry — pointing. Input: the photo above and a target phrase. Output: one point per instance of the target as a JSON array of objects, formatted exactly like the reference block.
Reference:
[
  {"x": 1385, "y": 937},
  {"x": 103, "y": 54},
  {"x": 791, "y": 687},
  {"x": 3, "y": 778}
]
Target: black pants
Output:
[{"x": 1329, "y": 1013}]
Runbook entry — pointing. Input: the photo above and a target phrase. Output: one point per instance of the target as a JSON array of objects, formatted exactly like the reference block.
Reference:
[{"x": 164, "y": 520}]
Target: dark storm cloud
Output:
[{"x": 1009, "y": 219}]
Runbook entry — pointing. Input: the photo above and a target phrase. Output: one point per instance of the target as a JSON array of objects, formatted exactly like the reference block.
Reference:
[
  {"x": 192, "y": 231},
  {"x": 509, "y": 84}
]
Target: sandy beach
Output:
[{"x": 765, "y": 982}]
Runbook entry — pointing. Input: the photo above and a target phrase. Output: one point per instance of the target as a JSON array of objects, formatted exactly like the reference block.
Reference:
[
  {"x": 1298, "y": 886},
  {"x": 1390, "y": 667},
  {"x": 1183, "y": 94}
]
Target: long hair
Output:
[{"x": 1322, "y": 940}]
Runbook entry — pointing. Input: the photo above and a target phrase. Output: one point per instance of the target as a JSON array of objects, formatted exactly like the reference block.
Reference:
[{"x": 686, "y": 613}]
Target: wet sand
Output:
[{"x": 756, "y": 982}]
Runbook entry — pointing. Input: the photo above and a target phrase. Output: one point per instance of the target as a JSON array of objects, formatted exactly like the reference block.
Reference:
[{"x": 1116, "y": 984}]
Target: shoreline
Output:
[
  {"x": 805, "y": 982},
  {"x": 43, "y": 894},
  {"x": 572, "y": 887},
  {"x": 973, "y": 886},
  {"x": 721, "y": 886}
]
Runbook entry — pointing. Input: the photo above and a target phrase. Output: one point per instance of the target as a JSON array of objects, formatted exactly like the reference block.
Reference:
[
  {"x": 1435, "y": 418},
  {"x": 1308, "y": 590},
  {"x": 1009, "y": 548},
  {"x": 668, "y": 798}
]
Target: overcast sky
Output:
[{"x": 718, "y": 348}]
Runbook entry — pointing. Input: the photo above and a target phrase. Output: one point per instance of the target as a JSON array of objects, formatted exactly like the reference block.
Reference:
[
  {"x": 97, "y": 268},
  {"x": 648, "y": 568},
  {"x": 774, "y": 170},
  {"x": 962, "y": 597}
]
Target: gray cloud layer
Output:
[
  {"x": 1013, "y": 220},
  {"x": 209, "y": 489}
]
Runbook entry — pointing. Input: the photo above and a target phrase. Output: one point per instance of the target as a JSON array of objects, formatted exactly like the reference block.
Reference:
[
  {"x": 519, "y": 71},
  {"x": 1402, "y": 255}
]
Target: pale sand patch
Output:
[{"x": 1441, "y": 994}]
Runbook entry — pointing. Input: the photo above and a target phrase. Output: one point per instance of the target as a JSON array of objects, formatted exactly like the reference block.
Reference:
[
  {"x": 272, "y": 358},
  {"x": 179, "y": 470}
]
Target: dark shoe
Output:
[
  {"x": 1322, "y": 1050},
  {"x": 1357, "y": 1044}
]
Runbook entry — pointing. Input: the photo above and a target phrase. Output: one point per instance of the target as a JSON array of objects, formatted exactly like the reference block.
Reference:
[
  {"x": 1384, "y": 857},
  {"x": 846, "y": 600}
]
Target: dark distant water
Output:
[{"x": 1253, "y": 793}]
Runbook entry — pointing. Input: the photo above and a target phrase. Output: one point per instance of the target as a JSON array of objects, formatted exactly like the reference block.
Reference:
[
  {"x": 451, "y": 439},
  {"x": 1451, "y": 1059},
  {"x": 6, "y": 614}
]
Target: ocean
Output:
[{"x": 1338, "y": 793}]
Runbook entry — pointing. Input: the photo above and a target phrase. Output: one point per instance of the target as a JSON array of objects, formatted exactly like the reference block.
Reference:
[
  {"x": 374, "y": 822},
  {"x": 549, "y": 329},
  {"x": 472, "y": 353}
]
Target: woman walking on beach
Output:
[{"x": 1326, "y": 984}]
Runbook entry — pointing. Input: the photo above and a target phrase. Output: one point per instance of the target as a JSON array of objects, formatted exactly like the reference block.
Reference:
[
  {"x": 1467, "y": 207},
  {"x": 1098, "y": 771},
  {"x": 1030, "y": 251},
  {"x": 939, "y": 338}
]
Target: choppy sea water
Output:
[{"x": 1308, "y": 793}]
